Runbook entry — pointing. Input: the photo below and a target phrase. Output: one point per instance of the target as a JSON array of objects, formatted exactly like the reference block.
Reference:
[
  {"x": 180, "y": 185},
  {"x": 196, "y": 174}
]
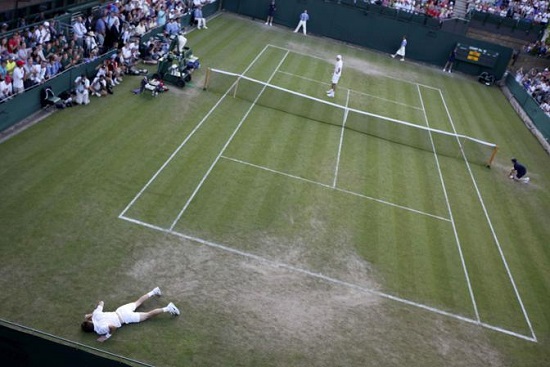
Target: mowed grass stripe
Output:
[
  {"x": 392, "y": 172},
  {"x": 273, "y": 216},
  {"x": 288, "y": 143},
  {"x": 164, "y": 197},
  {"x": 399, "y": 244},
  {"x": 69, "y": 145},
  {"x": 480, "y": 252},
  {"x": 229, "y": 36},
  {"x": 494, "y": 294}
]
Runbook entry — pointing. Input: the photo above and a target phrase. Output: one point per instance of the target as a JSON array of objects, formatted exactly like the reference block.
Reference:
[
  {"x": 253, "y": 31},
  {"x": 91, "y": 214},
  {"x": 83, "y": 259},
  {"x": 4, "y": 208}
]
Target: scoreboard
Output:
[{"x": 476, "y": 55}]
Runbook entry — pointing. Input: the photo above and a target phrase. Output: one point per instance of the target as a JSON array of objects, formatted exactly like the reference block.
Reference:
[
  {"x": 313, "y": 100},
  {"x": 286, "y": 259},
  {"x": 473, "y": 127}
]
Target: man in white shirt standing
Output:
[
  {"x": 79, "y": 30},
  {"x": 105, "y": 323},
  {"x": 336, "y": 75}
]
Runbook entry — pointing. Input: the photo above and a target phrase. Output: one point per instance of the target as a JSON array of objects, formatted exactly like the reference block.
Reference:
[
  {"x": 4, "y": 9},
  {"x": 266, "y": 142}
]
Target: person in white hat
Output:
[
  {"x": 335, "y": 75},
  {"x": 45, "y": 35}
]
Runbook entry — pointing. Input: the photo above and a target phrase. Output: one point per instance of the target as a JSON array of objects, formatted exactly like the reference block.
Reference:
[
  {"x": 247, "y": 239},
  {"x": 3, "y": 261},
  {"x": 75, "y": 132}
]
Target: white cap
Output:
[
  {"x": 47, "y": 24},
  {"x": 339, "y": 57}
]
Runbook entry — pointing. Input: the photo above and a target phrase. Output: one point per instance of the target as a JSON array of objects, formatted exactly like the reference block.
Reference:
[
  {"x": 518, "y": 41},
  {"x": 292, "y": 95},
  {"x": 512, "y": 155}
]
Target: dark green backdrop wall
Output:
[{"x": 374, "y": 27}]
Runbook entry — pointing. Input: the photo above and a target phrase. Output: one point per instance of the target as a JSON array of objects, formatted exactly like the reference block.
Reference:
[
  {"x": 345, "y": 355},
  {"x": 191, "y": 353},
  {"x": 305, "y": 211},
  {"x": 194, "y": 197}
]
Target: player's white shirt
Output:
[
  {"x": 338, "y": 67},
  {"x": 102, "y": 320}
]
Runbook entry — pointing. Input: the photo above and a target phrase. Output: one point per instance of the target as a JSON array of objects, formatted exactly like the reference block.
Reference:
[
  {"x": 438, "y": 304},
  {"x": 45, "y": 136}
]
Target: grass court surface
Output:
[{"x": 283, "y": 239}]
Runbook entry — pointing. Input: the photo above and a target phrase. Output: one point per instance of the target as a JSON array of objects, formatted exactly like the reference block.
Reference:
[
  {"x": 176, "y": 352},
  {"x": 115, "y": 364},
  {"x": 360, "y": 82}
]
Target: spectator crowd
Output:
[
  {"x": 441, "y": 9},
  {"x": 537, "y": 48},
  {"x": 537, "y": 83},
  {"x": 537, "y": 11},
  {"x": 30, "y": 56}
]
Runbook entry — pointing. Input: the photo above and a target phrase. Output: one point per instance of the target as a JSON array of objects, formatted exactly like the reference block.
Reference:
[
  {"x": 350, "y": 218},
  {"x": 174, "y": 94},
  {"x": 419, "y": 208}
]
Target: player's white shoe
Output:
[
  {"x": 393, "y": 56},
  {"x": 157, "y": 292},
  {"x": 331, "y": 95},
  {"x": 172, "y": 309}
]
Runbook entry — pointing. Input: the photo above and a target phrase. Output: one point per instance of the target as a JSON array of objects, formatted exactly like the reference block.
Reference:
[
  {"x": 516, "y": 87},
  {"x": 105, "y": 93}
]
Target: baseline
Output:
[{"x": 384, "y": 76}]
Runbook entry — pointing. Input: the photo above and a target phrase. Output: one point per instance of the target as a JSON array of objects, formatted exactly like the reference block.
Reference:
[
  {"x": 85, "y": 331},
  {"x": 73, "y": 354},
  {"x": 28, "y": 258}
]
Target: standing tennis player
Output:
[
  {"x": 335, "y": 75},
  {"x": 401, "y": 50},
  {"x": 105, "y": 323}
]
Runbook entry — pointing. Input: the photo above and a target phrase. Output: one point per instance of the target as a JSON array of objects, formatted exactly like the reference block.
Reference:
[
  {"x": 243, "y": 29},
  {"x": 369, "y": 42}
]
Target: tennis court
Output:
[
  {"x": 305, "y": 197},
  {"x": 291, "y": 229}
]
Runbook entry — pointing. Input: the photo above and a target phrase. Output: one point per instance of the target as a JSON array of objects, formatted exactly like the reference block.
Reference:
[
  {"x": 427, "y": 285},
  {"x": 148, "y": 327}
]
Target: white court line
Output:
[
  {"x": 225, "y": 147},
  {"x": 337, "y": 189},
  {"x": 327, "y": 279},
  {"x": 352, "y": 90},
  {"x": 383, "y": 76},
  {"x": 489, "y": 222},
  {"x": 184, "y": 142},
  {"x": 346, "y": 111},
  {"x": 449, "y": 209}
]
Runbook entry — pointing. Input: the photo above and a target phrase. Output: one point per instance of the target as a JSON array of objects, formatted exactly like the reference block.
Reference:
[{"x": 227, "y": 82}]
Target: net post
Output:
[
  {"x": 206, "y": 79},
  {"x": 492, "y": 158}
]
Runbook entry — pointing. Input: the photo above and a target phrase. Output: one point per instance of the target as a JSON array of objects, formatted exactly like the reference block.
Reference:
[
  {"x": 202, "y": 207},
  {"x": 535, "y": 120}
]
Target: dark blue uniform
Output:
[
  {"x": 271, "y": 10},
  {"x": 520, "y": 169}
]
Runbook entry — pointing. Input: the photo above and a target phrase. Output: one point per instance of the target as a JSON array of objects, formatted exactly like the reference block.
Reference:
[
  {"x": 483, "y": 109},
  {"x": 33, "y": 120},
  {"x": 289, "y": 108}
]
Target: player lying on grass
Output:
[
  {"x": 105, "y": 323},
  {"x": 518, "y": 172}
]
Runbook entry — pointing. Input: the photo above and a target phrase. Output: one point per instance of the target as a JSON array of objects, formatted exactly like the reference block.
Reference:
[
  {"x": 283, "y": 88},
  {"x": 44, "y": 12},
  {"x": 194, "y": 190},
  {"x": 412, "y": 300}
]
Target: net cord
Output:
[{"x": 348, "y": 109}]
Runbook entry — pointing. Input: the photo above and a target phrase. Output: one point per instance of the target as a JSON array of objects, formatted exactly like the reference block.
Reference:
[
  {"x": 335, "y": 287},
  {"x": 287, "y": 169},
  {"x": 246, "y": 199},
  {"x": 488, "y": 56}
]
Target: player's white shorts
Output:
[
  {"x": 127, "y": 314},
  {"x": 335, "y": 78}
]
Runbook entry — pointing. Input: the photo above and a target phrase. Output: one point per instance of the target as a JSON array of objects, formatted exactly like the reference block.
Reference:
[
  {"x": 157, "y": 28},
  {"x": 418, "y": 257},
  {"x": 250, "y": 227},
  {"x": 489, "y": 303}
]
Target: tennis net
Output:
[{"x": 402, "y": 132}]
